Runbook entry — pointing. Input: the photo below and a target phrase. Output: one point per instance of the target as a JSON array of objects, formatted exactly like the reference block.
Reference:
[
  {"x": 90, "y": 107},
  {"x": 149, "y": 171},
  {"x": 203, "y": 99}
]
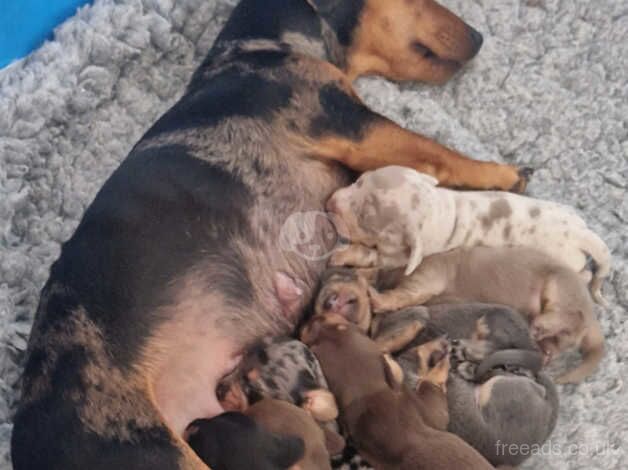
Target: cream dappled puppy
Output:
[{"x": 396, "y": 216}]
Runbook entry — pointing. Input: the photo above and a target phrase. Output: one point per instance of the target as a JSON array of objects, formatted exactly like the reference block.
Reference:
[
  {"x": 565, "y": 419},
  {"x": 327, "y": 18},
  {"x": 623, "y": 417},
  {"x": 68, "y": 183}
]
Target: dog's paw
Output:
[{"x": 525, "y": 174}]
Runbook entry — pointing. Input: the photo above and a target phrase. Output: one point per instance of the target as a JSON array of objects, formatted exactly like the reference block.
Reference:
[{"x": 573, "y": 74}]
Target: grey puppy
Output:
[
  {"x": 284, "y": 369},
  {"x": 497, "y": 407}
]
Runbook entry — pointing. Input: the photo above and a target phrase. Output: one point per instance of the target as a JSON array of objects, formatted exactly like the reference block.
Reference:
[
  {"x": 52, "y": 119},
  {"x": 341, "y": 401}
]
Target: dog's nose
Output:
[{"x": 476, "y": 39}]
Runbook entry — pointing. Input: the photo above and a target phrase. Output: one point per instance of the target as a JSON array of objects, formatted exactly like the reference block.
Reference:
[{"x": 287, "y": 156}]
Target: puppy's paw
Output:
[
  {"x": 378, "y": 301},
  {"x": 434, "y": 362},
  {"x": 467, "y": 370},
  {"x": 321, "y": 404},
  {"x": 338, "y": 259}
]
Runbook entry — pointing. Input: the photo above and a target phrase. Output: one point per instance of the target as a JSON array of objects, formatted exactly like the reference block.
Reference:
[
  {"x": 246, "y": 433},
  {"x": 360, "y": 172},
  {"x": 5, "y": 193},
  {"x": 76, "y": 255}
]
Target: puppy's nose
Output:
[
  {"x": 331, "y": 302},
  {"x": 476, "y": 39}
]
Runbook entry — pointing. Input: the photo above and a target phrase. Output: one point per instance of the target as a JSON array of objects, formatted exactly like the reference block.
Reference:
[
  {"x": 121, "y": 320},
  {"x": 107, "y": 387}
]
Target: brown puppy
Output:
[
  {"x": 383, "y": 418},
  {"x": 233, "y": 440},
  {"x": 555, "y": 299}
]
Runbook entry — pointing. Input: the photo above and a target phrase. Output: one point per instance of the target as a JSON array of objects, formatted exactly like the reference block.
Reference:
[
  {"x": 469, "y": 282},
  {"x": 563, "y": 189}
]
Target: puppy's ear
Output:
[
  {"x": 334, "y": 442},
  {"x": 288, "y": 450},
  {"x": 392, "y": 372}
]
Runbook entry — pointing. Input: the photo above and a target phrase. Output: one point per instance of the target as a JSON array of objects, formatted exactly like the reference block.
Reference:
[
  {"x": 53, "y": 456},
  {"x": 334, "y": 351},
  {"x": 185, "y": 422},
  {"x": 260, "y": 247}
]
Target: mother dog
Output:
[{"x": 174, "y": 269}]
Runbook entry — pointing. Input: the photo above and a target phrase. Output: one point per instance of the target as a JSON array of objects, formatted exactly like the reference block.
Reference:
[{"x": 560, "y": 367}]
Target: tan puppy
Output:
[
  {"x": 402, "y": 216},
  {"x": 383, "y": 418},
  {"x": 554, "y": 298}
]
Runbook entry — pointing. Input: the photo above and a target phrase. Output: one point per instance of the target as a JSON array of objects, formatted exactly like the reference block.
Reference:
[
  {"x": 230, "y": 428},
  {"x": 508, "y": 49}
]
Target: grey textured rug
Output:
[{"x": 549, "y": 89}]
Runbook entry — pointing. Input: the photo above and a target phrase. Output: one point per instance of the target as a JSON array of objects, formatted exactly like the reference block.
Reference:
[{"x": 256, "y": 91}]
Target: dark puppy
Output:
[
  {"x": 175, "y": 268},
  {"x": 233, "y": 441},
  {"x": 383, "y": 418},
  {"x": 484, "y": 335},
  {"x": 495, "y": 408}
]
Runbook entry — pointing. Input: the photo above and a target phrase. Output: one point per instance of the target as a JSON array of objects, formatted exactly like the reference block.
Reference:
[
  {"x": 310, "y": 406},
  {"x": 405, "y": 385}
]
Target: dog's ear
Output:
[
  {"x": 334, "y": 442},
  {"x": 324, "y": 6}
]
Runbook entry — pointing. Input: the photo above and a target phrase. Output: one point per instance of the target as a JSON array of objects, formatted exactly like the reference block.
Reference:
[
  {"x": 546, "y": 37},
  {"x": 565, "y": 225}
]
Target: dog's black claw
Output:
[{"x": 526, "y": 172}]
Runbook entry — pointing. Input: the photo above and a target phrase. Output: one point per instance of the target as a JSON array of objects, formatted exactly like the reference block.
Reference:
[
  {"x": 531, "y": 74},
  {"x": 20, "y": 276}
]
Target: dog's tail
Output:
[
  {"x": 592, "y": 349},
  {"x": 595, "y": 247},
  {"x": 525, "y": 358}
]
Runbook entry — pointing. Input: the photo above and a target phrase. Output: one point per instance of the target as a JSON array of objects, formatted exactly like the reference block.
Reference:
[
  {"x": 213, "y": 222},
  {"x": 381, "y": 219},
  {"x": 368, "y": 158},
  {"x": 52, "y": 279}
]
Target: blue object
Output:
[{"x": 26, "y": 24}]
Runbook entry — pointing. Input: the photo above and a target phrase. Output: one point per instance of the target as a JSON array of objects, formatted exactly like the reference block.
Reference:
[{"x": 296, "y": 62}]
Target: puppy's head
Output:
[
  {"x": 556, "y": 332},
  {"x": 284, "y": 418},
  {"x": 344, "y": 292},
  {"x": 370, "y": 208},
  {"x": 401, "y": 39},
  {"x": 233, "y": 440}
]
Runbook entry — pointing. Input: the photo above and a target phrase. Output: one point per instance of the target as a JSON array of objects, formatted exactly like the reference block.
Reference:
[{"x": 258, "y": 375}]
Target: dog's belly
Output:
[{"x": 207, "y": 333}]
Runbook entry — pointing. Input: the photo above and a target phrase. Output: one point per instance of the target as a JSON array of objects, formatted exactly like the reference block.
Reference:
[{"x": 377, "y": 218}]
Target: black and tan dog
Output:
[{"x": 175, "y": 267}]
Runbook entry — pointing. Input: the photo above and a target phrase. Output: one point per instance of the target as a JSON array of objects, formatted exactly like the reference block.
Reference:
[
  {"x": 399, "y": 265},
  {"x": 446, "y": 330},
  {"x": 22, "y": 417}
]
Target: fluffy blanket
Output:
[{"x": 549, "y": 89}]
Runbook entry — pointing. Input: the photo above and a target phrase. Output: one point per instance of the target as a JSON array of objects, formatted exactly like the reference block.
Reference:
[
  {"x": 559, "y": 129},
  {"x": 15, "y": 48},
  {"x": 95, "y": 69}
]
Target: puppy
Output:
[
  {"x": 382, "y": 417},
  {"x": 233, "y": 440},
  {"x": 491, "y": 416},
  {"x": 484, "y": 336},
  {"x": 506, "y": 409},
  {"x": 271, "y": 434},
  {"x": 554, "y": 299},
  {"x": 284, "y": 369},
  {"x": 398, "y": 211}
]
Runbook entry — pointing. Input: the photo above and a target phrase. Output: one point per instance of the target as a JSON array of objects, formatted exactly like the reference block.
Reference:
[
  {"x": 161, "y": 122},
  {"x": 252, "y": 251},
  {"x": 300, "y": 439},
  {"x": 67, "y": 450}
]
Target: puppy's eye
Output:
[{"x": 352, "y": 301}]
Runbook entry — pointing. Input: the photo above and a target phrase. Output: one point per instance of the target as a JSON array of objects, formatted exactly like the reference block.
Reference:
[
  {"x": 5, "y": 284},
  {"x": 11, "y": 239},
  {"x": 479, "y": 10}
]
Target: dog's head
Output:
[{"x": 400, "y": 39}]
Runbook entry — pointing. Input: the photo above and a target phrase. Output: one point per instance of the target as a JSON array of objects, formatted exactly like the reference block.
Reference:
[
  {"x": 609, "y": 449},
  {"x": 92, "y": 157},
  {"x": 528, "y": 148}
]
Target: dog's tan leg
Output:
[
  {"x": 358, "y": 256},
  {"x": 384, "y": 143}
]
